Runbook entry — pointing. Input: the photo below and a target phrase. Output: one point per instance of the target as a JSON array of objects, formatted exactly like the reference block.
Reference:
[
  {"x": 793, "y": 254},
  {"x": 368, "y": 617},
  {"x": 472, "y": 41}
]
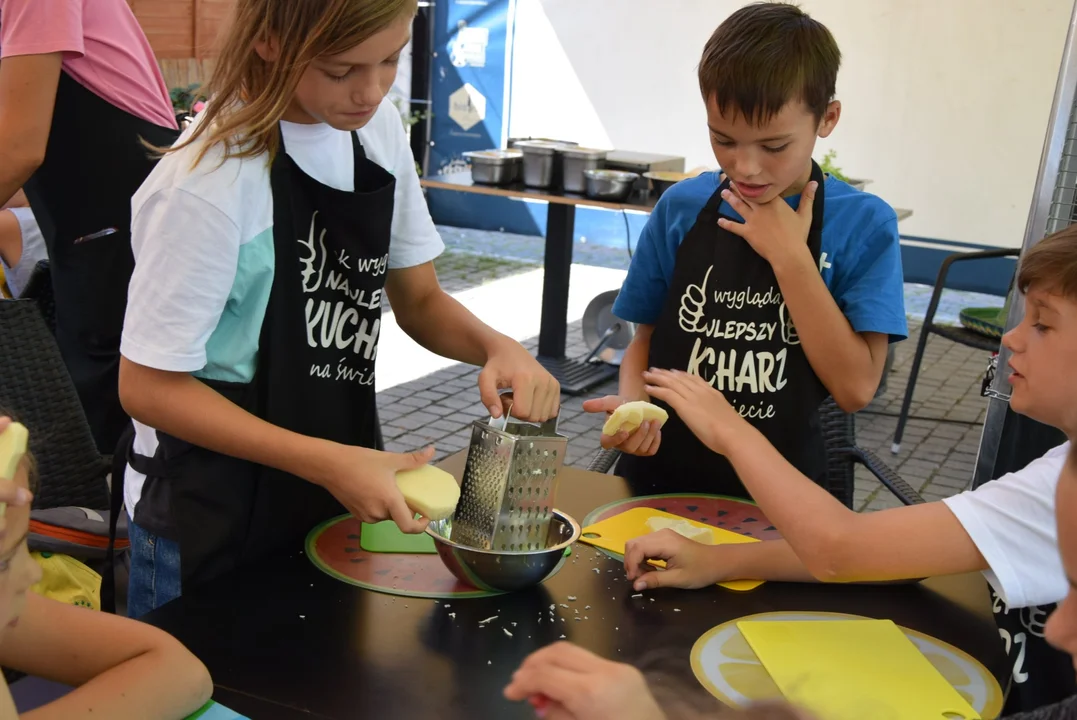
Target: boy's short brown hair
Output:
[
  {"x": 1051, "y": 265},
  {"x": 766, "y": 55}
]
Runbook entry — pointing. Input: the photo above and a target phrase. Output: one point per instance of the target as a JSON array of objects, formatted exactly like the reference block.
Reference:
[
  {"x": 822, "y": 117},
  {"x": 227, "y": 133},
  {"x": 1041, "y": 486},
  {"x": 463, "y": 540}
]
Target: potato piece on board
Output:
[
  {"x": 429, "y": 491},
  {"x": 682, "y": 527}
]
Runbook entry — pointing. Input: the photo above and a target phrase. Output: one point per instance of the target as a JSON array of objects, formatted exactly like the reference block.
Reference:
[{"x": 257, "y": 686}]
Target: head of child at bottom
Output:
[
  {"x": 1043, "y": 345},
  {"x": 768, "y": 77}
]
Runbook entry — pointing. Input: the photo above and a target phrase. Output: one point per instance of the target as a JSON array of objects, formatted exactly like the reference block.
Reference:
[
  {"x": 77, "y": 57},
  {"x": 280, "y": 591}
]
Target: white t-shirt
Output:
[
  {"x": 33, "y": 250},
  {"x": 1012, "y": 521},
  {"x": 203, "y": 244}
]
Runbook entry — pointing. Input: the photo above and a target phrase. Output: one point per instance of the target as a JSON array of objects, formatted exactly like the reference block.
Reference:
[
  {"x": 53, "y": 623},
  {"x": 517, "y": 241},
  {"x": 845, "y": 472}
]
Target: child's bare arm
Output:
[
  {"x": 849, "y": 364},
  {"x": 839, "y": 545},
  {"x": 120, "y": 668},
  {"x": 834, "y": 543},
  {"x": 634, "y": 363}
]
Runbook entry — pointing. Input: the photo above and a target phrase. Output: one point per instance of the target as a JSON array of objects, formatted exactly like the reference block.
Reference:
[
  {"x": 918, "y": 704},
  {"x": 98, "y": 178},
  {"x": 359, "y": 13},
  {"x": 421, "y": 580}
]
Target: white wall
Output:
[{"x": 945, "y": 102}]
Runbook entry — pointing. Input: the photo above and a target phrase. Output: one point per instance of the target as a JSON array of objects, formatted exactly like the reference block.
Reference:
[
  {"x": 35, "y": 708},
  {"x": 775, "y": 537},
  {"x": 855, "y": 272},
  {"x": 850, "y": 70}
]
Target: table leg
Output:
[
  {"x": 575, "y": 377},
  {"x": 560, "y": 227}
]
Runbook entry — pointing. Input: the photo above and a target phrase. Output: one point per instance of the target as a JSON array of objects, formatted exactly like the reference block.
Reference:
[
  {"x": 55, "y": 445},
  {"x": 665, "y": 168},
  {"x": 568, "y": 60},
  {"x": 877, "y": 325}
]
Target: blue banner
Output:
[
  {"x": 469, "y": 104},
  {"x": 470, "y": 101}
]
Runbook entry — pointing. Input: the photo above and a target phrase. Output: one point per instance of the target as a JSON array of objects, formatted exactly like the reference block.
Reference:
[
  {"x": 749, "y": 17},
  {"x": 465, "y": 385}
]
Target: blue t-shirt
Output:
[{"x": 860, "y": 257}]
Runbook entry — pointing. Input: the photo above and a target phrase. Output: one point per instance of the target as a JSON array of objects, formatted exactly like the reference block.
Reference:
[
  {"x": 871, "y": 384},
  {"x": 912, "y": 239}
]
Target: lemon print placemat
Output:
[{"x": 725, "y": 664}]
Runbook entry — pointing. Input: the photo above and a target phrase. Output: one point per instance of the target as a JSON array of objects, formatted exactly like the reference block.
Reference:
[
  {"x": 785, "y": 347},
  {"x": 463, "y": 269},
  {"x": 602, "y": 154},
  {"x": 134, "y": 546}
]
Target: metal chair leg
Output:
[{"x": 903, "y": 416}]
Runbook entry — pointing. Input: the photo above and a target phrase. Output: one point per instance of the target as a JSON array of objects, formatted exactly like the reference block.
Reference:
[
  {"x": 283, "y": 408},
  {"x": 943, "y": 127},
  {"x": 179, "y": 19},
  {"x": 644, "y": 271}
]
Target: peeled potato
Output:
[
  {"x": 12, "y": 447},
  {"x": 429, "y": 491},
  {"x": 681, "y": 527},
  {"x": 13, "y": 443},
  {"x": 631, "y": 415}
]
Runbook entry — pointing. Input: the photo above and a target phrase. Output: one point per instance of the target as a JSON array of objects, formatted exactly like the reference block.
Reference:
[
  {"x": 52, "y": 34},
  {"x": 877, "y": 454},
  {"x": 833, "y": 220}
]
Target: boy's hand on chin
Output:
[{"x": 774, "y": 230}]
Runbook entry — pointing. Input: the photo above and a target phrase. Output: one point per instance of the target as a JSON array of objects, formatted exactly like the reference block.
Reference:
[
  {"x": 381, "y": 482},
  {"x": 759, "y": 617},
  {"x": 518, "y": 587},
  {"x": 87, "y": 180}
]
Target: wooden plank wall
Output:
[
  {"x": 181, "y": 29},
  {"x": 183, "y": 35}
]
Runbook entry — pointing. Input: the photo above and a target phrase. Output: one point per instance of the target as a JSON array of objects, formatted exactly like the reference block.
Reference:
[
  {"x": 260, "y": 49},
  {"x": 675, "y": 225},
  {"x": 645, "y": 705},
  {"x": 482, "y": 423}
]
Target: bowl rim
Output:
[
  {"x": 493, "y": 154},
  {"x": 658, "y": 175},
  {"x": 576, "y": 532},
  {"x": 610, "y": 174},
  {"x": 585, "y": 152}
]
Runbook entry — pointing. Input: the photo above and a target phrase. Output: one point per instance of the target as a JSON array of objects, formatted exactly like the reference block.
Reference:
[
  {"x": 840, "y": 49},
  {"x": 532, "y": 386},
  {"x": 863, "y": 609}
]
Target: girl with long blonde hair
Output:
[{"x": 265, "y": 241}]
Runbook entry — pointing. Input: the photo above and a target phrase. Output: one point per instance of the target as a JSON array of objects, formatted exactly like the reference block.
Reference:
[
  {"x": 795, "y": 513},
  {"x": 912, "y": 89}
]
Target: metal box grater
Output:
[{"x": 508, "y": 488}]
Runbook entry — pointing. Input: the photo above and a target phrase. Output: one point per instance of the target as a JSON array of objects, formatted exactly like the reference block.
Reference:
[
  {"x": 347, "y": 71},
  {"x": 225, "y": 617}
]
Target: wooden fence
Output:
[{"x": 182, "y": 29}]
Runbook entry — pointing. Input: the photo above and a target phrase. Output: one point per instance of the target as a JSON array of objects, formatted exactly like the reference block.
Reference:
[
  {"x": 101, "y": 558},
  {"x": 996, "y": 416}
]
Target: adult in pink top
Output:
[{"x": 80, "y": 91}]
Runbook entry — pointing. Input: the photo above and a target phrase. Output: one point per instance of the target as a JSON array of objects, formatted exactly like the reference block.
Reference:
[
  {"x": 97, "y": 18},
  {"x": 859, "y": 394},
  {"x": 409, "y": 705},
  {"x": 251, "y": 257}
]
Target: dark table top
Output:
[
  {"x": 461, "y": 181},
  {"x": 286, "y": 641}
]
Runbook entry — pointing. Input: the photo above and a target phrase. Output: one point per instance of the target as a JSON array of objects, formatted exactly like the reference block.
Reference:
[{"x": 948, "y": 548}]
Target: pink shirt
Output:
[{"x": 104, "y": 50}]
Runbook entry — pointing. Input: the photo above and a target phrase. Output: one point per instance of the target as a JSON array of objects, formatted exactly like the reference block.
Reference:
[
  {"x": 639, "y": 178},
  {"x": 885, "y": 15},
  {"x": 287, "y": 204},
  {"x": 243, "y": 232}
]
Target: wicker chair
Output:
[
  {"x": 839, "y": 431},
  {"x": 39, "y": 289},
  {"x": 36, "y": 388}
]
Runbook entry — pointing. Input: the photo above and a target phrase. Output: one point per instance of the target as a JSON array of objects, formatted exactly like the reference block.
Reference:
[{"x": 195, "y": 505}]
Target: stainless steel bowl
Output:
[
  {"x": 663, "y": 180},
  {"x": 498, "y": 571},
  {"x": 614, "y": 185},
  {"x": 495, "y": 167}
]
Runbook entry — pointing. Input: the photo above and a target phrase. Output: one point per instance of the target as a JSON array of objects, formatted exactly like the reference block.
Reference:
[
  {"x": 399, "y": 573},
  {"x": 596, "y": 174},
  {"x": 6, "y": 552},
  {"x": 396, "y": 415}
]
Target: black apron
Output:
[
  {"x": 1041, "y": 674},
  {"x": 724, "y": 320},
  {"x": 81, "y": 197},
  {"x": 314, "y": 376}
]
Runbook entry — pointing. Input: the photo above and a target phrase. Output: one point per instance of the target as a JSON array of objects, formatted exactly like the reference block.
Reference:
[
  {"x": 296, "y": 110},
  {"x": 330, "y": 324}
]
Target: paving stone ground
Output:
[{"x": 937, "y": 456}]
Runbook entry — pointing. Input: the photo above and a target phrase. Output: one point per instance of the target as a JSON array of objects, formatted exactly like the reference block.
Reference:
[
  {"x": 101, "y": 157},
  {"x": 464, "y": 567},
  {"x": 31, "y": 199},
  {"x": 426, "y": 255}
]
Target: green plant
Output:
[
  {"x": 411, "y": 118},
  {"x": 828, "y": 166},
  {"x": 184, "y": 98}
]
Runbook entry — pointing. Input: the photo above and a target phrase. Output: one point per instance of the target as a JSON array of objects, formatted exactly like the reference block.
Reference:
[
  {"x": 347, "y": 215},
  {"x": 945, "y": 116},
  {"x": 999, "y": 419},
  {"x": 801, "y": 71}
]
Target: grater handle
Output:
[{"x": 548, "y": 427}]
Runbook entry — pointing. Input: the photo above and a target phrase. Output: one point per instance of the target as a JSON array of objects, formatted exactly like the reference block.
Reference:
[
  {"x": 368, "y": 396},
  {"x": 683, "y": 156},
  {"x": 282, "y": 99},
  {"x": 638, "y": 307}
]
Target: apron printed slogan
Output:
[
  {"x": 342, "y": 310},
  {"x": 759, "y": 369}
]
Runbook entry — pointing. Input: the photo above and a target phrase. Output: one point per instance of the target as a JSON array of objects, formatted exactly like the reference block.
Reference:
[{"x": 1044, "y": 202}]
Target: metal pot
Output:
[
  {"x": 576, "y": 161},
  {"x": 612, "y": 185},
  {"x": 494, "y": 167},
  {"x": 505, "y": 571},
  {"x": 542, "y": 163}
]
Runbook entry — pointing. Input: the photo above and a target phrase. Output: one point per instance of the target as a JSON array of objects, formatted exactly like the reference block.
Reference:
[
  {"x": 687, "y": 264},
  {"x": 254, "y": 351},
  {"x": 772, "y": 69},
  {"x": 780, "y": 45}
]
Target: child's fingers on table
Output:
[
  {"x": 655, "y": 579},
  {"x": 564, "y": 655},
  {"x": 4, "y": 422},
  {"x": 638, "y": 551},
  {"x": 546, "y": 678}
]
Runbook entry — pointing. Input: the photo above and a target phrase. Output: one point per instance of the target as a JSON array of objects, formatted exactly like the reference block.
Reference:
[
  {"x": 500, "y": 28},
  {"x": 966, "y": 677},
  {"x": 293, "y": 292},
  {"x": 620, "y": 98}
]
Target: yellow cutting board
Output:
[
  {"x": 852, "y": 669},
  {"x": 614, "y": 533}
]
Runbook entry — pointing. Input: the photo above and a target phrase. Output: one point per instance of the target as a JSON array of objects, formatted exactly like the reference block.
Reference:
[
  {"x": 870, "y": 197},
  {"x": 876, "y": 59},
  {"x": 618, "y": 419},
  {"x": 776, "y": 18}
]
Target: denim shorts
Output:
[{"x": 155, "y": 571}]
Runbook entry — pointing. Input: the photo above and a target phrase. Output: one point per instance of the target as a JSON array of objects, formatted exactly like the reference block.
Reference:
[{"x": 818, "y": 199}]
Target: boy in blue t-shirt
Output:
[{"x": 777, "y": 284}]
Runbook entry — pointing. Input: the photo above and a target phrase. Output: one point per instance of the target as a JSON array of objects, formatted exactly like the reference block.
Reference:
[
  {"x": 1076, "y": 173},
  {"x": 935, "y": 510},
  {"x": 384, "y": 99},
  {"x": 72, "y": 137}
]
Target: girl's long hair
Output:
[{"x": 249, "y": 95}]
